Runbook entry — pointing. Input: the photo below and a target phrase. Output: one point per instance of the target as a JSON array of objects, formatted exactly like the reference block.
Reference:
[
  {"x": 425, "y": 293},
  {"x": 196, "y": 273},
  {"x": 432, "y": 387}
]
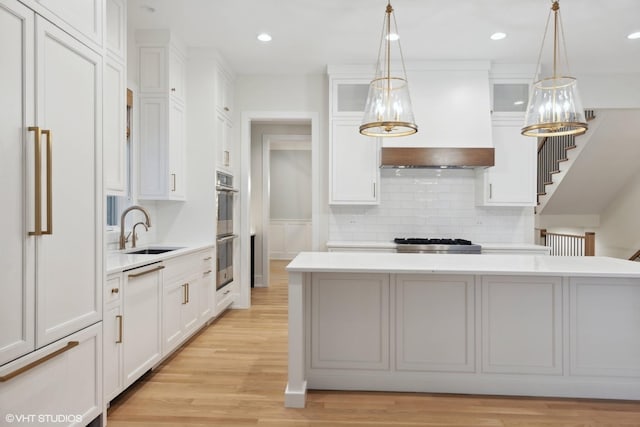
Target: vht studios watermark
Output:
[{"x": 43, "y": 418}]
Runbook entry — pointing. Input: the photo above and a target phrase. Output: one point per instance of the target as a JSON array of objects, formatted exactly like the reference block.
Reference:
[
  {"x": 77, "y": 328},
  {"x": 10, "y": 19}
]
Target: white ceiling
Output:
[{"x": 309, "y": 34}]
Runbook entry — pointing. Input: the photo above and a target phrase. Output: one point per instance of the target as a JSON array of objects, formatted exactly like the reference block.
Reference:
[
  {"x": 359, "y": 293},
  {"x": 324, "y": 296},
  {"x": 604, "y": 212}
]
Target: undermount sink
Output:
[{"x": 151, "y": 251}]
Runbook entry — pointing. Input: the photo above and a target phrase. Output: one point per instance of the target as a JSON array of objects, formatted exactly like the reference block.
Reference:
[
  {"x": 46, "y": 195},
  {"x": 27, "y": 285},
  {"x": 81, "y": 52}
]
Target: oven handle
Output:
[
  {"x": 227, "y": 189},
  {"x": 226, "y": 238}
]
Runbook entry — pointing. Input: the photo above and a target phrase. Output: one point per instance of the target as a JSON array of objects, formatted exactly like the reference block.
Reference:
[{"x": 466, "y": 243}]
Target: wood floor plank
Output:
[{"x": 233, "y": 374}]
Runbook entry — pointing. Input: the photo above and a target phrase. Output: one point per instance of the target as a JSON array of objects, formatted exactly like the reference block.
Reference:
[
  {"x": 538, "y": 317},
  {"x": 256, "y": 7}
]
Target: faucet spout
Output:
[{"x": 147, "y": 223}]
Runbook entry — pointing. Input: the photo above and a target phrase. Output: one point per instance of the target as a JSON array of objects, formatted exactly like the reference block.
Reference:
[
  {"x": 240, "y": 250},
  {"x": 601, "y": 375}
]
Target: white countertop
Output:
[
  {"x": 118, "y": 261},
  {"x": 362, "y": 262}
]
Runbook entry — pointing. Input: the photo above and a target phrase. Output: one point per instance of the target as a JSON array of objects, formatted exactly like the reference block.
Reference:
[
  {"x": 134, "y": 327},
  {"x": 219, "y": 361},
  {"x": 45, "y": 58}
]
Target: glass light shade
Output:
[
  {"x": 555, "y": 109},
  {"x": 388, "y": 110}
]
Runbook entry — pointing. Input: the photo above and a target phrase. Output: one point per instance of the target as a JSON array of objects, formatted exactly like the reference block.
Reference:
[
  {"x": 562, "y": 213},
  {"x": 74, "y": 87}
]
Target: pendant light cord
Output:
[{"x": 544, "y": 38}]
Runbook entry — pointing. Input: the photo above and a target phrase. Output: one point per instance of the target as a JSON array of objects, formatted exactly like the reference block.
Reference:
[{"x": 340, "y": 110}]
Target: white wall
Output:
[
  {"x": 430, "y": 203},
  {"x": 290, "y": 184},
  {"x": 621, "y": 90},
  {"x": 619, "y": 233}
]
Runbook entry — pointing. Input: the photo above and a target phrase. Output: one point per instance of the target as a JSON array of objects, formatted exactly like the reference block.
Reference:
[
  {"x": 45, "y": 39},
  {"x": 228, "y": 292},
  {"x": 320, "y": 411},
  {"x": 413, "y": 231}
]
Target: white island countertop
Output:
[{"x": 359, "y": 262}]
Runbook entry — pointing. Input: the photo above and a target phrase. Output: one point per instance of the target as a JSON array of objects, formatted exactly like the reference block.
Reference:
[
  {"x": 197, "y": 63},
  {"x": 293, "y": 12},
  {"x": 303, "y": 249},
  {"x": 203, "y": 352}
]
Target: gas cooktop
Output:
[{"x": 436, "y": 246}]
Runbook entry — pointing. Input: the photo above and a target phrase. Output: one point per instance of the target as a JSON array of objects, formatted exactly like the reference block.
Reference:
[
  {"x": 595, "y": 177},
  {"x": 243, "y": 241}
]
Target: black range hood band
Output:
[{"x": 442, "y": 157}]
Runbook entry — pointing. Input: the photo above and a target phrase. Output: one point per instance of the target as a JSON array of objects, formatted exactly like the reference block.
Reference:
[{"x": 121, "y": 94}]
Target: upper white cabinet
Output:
[
  {"x": 354, "y": 160},
  {"x": 512, "y": 181},
  {"x": 83, "y": 19},
  {"x": 162, "y": 170},
  {"x": 225, "y": 152}
]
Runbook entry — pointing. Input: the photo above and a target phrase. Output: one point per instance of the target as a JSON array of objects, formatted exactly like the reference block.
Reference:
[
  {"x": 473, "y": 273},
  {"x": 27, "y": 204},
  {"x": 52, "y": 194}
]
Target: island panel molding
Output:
[
  {"x": 434, "y": 323},
  {"x": 509, "y": 324}
]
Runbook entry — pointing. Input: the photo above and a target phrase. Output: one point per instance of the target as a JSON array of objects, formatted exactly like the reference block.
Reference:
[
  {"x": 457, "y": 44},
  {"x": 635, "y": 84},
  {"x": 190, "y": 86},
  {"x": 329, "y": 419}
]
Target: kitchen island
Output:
[{"x": 490, "y": 324}]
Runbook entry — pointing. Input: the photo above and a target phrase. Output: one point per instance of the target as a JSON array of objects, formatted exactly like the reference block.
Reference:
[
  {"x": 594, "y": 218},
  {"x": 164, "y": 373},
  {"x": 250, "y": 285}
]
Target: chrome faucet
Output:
[{"x": 147, "y": 223}]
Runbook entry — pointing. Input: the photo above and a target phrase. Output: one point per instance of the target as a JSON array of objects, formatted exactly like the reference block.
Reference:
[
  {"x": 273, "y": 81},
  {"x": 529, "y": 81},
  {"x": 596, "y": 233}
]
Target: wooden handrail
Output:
[
  {"x": 570, "y": 244},
  {"x": 636, "y": 256}
]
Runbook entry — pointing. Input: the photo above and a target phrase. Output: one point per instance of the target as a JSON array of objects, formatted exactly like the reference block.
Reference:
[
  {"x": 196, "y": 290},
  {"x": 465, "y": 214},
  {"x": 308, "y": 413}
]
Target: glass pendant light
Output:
[
  {"x": 554, "y": 107},
  {"x": 388, "y": 109}
]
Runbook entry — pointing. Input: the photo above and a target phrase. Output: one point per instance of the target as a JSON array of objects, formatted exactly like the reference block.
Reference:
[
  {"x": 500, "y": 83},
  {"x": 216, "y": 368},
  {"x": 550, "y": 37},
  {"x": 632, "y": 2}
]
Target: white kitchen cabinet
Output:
[
  {"x": 180, "y": 312},
  {"x": 512, "y": 181},
  {"x": 206, "y": 285},
  {"x": 224, "y": 297},
  {"x": 114, "y": 105},
  {"x": 83, "y": 19},
  {"x": 161, "y": 160},
  {"x": 115, "y": 125},
  {"x": 68, "y": 385},
  {"x": 224, "y": 93},
  {"x": 354, "y": 165},
  {"x": 142, "y": 320},
  {"x": 354, "y": 159},
  {"x": 225, "y": 152},
  {"x": 113, "y": 323},
  {"x": 49, "y": 291}
]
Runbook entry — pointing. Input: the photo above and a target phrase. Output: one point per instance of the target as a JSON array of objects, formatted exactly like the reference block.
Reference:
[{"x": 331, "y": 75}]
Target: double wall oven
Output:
[{"x": 224, "y": 235}]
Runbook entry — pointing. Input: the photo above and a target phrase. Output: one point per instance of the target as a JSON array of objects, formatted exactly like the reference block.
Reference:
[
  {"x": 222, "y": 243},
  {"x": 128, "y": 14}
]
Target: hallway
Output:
[{"x": 234, "y": 372}]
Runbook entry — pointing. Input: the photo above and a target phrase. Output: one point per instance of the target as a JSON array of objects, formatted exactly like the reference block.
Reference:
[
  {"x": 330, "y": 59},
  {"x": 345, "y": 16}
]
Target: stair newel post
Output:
[{"x": 589, "y": 243}]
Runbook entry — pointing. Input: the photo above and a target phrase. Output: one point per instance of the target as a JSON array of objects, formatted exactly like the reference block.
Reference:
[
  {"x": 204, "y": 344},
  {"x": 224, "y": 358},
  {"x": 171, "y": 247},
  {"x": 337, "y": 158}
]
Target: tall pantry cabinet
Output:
[{"x": 51, "y": 219}]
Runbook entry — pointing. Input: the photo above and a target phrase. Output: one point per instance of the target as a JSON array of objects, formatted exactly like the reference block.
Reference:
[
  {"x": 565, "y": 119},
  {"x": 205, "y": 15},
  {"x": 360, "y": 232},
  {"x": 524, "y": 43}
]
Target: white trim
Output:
[{"x": 246, "y": 117}]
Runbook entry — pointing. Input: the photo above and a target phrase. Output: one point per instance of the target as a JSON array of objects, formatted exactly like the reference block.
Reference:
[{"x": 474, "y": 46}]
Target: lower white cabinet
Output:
[
  {"x": 179, "y": 312},
  {"x": 142, "y": 320},
  {"x": 64, "y": 389},
  {"x": 112, "y": 331},
  {"x": 512, "y": 181},
  {"x": 206, "y": 286},
  {"x": 225, "y": 297}
]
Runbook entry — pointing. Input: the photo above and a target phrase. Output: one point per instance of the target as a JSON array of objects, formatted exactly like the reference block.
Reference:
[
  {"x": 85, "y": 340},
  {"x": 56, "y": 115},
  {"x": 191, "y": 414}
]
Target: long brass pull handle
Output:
[
  {"x": 173, "y": 181},
  {"x": 187, "y": 292},
  {"x": 184, "y": 293},
  {"x": 153, "y": 270},
  {"x": 38, "y": 183},
  {"x": 119, "y": 318},
  {"x": 40, "y": 361},
  {"x": 49, "y": 229}
]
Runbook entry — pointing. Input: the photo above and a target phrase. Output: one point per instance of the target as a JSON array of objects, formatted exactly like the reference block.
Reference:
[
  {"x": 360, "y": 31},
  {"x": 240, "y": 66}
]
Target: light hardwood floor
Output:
[{"x": 234, "y": 372}]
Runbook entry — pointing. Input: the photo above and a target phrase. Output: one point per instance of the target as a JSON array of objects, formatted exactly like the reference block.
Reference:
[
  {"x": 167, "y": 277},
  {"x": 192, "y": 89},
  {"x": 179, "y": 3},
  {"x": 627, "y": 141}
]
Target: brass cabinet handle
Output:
[
  {"x": 38, "y": 183},
  {"x": 226, "y": 158},
  {"x": 115, "y": 290},
  {"x": 226, "y": 108},
  {"x": 187, "y": 292},
  {"x": 173, "y": 180},
  {"x": 38, "y": 362},
  {"x": 153, "y": 270},
  {"x": 49, "y": 229},
  {"x": 119, "y": 319},
  {"x": 184, "y": 293},
  {"x": 208, "y": 258},
  {"x": 207, "y": 272}
]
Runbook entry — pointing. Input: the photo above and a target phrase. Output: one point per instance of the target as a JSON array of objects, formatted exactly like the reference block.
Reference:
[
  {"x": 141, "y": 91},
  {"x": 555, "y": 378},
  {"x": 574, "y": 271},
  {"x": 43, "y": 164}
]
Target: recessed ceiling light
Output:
[
  {"x": 498, "y": 36},
  {"x": 264, "y": 37},
  {"x": 634, "y": 36},
  {"x": 392, "y": 37}
]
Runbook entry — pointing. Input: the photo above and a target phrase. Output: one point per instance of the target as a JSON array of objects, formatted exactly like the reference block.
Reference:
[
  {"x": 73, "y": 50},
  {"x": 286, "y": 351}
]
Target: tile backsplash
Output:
[{"x": 436, "y": 203}]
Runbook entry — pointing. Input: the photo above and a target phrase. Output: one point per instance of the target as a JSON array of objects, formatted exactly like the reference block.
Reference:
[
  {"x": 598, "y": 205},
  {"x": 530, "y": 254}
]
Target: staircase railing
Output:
[
  {"x": 551, "y": 152},
  {"x": 635, "y": 257},
  {"x": 569, "y": 244}
]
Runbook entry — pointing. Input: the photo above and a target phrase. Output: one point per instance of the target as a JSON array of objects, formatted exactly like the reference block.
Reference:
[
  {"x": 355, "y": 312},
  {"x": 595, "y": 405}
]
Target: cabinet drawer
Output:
[
  {"x": 65, "y": 385},
  {"x": 113, "y": 288},
  {"x": 180, "y": 268},
  {"x": 225, "y": 297}
]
